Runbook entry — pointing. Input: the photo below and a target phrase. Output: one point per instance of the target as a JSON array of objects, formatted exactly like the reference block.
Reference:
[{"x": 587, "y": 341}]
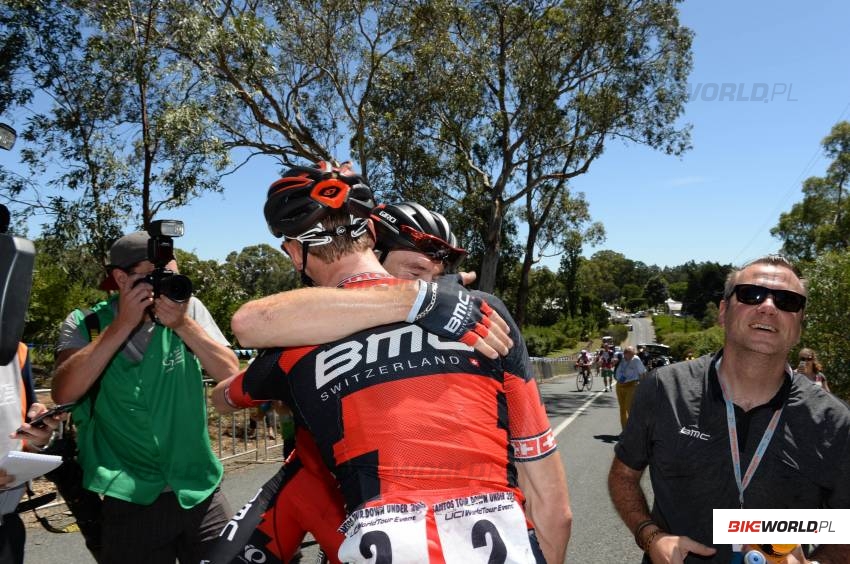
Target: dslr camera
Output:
[{"x": 165, "y": 282}]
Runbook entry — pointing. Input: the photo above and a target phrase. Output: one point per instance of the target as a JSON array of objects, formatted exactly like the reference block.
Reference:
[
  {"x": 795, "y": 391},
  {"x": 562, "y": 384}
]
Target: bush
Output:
[
  {"x": 618, "y": 331},
  {"x": 700, "y": 343},
  {"x": 828, "y": 316},
  {"x": 541, "y": 341}
]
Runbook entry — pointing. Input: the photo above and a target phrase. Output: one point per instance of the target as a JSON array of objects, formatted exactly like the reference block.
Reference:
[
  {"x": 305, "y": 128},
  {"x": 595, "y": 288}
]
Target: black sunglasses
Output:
[{"x": 786, "y": 300}]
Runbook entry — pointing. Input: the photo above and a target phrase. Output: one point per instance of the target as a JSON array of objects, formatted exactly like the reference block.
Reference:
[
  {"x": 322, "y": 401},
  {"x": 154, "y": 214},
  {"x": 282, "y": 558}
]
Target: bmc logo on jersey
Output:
[{"x": 347, "y": 356}]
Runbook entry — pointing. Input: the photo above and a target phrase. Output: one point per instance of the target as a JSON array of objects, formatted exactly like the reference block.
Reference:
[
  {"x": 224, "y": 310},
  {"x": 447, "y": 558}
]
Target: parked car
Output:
[{"x": 657, "y": 355}]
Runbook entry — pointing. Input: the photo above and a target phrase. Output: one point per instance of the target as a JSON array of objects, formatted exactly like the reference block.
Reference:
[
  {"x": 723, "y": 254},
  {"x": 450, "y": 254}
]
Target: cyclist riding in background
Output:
[
  {"x": 583, "y": 363},
  {"x": 368, "y": 407}
]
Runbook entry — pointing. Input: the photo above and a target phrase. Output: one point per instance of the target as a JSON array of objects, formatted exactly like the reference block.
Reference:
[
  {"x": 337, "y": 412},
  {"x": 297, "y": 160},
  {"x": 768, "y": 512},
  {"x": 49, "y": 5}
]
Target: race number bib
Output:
[
  {"x": 382, "y": 535},
  {"x": 486, "y": 528}
]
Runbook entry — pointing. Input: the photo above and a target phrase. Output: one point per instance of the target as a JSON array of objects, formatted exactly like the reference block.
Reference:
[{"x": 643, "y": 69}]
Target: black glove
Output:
[{"x": 449, "y": 310}]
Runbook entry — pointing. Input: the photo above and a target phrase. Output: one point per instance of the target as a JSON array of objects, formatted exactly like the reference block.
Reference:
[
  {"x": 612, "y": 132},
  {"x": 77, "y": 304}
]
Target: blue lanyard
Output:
[{"x": 733, "y": 443}]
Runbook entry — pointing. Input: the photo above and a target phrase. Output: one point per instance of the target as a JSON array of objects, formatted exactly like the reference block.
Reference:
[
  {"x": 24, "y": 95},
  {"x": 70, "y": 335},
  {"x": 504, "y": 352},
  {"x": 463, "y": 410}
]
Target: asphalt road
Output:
[{"x": 586, "y": 425}]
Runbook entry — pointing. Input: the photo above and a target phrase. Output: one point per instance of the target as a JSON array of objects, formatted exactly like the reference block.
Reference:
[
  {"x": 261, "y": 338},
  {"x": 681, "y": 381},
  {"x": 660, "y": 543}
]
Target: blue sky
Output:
[{"x": 718, "y": 201}]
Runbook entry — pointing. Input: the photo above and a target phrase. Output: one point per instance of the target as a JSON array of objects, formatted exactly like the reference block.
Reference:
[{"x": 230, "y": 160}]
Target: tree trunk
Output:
[
  {"x": 492, "y": 246},
  {"x": 522, "y": 291}
]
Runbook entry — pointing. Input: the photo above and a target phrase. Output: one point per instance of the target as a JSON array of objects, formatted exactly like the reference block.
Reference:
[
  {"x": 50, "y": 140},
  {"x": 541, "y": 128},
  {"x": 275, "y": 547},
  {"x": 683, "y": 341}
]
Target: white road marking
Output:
[{"x": 563, "y": 425}]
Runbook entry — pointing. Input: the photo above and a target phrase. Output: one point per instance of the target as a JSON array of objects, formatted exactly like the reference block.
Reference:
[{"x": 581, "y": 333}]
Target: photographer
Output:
[{"x": 133, "y": 364}]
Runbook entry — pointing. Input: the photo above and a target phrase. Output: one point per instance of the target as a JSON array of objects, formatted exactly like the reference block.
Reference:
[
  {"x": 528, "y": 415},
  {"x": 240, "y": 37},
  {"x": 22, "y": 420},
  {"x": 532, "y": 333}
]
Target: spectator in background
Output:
[
  {"x": 142, "y": 420},
  {"x": 258, "y": 414},
  {"x": 811, "y": 368},
  {"x": 628, "y": 373},
  {"x": 606, "y": 363}
]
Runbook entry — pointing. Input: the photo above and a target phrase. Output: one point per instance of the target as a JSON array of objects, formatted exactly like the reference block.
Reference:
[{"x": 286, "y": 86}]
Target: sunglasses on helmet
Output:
[{"x": 753, "y": 294}]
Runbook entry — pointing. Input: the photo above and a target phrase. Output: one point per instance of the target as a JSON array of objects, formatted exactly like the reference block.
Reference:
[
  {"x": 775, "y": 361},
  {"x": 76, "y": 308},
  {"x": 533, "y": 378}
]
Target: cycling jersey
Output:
[
  {"x": 421, "y": 434},
  {"x": 309, "y": 502},
  {"x": 270, "y": 528}
]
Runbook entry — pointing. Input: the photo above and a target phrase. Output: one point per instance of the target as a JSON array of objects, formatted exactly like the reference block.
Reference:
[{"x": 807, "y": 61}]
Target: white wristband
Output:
[{"x": 417, "y": 303}]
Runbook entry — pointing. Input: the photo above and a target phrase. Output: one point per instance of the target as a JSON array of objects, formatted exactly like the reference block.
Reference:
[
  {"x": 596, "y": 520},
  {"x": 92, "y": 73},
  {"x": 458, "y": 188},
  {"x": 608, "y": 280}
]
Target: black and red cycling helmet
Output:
[
  {"x": 411, "y": 226},
  {"x": 304, "y": 196}
]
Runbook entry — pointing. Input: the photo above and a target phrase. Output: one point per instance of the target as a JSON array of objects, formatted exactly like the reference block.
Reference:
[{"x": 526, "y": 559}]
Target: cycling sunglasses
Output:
[
  {"x": 786, "y": 300},
  {"x": 434, "y": 247}
]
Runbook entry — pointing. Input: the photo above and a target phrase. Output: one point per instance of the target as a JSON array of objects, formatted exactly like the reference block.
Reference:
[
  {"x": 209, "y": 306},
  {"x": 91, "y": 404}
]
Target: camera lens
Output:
[{"x": 177, "y": 287}]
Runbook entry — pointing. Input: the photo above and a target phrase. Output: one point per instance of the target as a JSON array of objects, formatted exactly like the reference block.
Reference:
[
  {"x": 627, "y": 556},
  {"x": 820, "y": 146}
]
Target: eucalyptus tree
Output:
[
  {"x": 505, "y": 96},
  {"x": 115, "y": 136},
  {"x": 821, "y": 222},
  {"x": 291, "y": 80},
  {"x": 828, "y": 316},
  {"x": 555, "y": 218}
]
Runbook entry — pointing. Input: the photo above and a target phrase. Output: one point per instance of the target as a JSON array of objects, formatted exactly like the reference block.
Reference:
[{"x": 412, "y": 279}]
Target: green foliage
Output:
[
  {"x": 698, "y": 342},
  {"x": 610, "y": 277},
  {"x": 252, "y": 273},
  {"x": 705, "y": 285},
  {"x": 828, "y": 317},
  {"x": 513, "y": 88},
  {"x": 636, "y": 304},
  {"x": 678, "y": 290},
  {"x": 61, "y": 283},
  {"x": 711, "y": 315},
  {"x": 565, "y": 334},
  {"x": 821, "y": 222},
  {"x": 655, "y": 291},
  {"x": 122, "y": 116},
  {"x": 666, "y": 325},
  {"x": 618, "y": 331}
]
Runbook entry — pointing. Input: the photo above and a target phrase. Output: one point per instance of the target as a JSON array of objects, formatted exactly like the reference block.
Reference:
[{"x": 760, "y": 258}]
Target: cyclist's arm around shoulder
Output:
[{"x": 323, "y": 314}]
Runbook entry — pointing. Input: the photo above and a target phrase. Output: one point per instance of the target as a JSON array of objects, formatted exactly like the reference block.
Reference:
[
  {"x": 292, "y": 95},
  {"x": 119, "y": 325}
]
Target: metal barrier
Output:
[
  {"x": 230, "y": 435},
  {"x": 546, "y": 368}
]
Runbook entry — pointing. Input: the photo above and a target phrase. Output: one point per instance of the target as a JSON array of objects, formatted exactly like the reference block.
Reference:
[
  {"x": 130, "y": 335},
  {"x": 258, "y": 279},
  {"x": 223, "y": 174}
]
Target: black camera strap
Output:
[{"x": 92, "y": 322}]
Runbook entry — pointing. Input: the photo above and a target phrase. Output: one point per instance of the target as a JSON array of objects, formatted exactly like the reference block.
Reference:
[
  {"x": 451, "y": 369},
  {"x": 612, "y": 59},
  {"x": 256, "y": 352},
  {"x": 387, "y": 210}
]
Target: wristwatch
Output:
[{"x": 44, "y": 447}]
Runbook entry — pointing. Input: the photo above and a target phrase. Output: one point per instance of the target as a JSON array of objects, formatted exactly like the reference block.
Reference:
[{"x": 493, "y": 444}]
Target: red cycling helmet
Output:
[
  {"x": 409, "y": 225},
  {"x": 304, "y": 196}
]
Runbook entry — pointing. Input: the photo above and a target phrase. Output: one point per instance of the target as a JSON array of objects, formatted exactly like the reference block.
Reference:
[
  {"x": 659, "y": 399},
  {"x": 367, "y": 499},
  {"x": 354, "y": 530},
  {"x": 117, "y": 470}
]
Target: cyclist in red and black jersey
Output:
[{"x": 344, "y": 394}]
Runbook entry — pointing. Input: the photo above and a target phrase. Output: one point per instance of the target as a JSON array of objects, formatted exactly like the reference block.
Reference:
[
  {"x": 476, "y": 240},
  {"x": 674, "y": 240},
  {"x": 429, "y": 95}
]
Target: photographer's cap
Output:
[
  {"x": 126, "y": 252},
  {"x": 129, "y": 250}
]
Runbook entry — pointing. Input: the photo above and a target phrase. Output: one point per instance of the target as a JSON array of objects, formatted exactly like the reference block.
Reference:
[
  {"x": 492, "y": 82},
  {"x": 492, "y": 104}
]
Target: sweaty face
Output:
[
  {"x": 762, "y": 328},
  {"x": 412, "y": 265}
]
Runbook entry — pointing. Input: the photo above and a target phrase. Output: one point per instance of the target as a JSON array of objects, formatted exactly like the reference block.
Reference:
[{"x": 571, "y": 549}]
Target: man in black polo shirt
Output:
[{"x": 680, "y": 428}]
